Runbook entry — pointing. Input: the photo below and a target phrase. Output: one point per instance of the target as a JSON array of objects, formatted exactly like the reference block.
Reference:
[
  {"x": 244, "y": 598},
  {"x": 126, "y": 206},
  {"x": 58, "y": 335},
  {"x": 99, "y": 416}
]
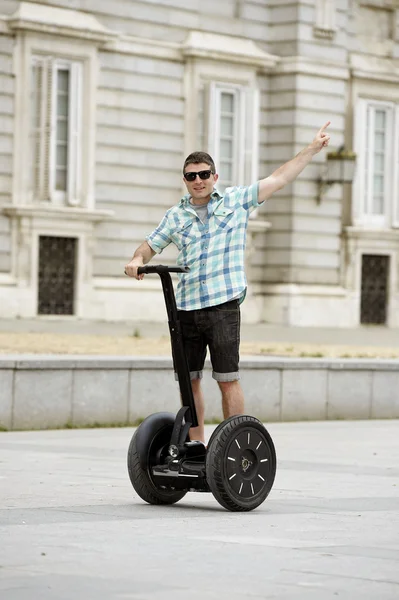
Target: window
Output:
[
  {"x": 227, "y": 135},
  {"x": 57, "y": 275},
  {"x": 376, "y": 188},
  {"x": 374, "y": 289},
  {"x": 232, "y": 133},
  {"x": 56, "y": 105}
]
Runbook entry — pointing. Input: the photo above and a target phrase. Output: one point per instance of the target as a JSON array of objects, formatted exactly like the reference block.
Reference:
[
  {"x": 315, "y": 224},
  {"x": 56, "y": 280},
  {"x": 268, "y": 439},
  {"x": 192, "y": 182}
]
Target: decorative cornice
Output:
[
  {"x": 41, "y": 18},
  {"x": 4, "y": 29},
  {"x": 302, "y": 289},
  {"x": 379, "y": 235},
  {"x": 127, "y": 44},
  {"x": 311, "y": 66},
  {"x": 364, "y": 66},
  {"x": 325, "y": 19},
  {"x": 326, "y": 33},
  {"x": 7, "y": 279},
  {"x": 52, "y": 20},
  {"x": 224, "y": 48},
  {"x": 50, "y": 212},
  {"x": 258, "y": 226}
]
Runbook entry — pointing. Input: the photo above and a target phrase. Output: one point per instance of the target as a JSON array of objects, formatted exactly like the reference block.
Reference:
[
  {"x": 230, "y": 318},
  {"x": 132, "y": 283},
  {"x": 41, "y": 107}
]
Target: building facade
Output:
[{"x": 101, "y": 101}]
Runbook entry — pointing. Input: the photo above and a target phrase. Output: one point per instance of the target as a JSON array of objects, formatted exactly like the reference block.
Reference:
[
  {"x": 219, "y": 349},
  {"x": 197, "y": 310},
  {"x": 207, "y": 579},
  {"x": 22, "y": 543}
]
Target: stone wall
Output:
[{"x": 50, "y": 392}]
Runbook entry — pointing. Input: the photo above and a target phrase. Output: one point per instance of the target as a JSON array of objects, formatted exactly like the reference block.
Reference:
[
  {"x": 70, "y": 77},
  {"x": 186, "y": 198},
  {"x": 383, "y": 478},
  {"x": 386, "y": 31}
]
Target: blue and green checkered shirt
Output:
[{"x": 214, "y": 250}]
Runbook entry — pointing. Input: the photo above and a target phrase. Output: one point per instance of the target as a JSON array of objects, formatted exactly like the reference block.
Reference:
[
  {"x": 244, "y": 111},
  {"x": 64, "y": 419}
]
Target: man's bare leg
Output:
[
  {"x": 232, "y": 404},
  {"x": 232, "y": 398},
  {"x": 198, "y": 433}
]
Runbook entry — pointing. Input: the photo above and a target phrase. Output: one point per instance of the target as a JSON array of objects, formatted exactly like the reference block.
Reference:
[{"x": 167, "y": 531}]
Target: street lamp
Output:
[{"x": 340, "y": 169}]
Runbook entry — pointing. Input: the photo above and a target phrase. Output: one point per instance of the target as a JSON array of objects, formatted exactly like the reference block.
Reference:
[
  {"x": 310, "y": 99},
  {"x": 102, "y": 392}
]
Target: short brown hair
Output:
[{"x": 195, "y": 158}]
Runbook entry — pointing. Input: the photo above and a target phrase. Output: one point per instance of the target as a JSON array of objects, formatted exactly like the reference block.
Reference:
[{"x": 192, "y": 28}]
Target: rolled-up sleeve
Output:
[
  {"x": 248, "y": 196},
  {"x": 160, "y": 237}
]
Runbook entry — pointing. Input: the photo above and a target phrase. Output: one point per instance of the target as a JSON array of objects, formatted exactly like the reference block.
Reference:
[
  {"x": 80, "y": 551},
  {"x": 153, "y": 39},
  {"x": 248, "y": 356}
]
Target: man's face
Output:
[{"x": 200, "y": 189}]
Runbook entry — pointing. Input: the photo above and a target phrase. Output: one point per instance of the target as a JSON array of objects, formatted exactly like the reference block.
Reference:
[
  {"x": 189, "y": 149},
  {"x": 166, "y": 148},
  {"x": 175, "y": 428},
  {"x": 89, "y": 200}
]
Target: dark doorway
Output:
[
  {"x": 57, "y": 266},
  {"x": 374, "y": 298}
]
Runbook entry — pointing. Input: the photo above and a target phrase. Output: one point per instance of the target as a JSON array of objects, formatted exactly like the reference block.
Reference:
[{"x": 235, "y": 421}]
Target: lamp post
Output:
[{"x": 340, "y": 169}]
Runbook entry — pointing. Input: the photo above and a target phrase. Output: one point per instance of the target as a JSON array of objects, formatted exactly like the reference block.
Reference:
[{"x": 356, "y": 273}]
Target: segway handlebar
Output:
[
  {"x": 147, "y": 269},
  {"x": 178, "y": 350}
]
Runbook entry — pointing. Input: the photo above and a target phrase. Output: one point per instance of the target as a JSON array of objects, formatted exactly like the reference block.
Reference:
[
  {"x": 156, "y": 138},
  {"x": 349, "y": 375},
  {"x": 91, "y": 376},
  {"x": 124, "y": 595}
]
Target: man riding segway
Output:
[{"x": 209, "y": 230}]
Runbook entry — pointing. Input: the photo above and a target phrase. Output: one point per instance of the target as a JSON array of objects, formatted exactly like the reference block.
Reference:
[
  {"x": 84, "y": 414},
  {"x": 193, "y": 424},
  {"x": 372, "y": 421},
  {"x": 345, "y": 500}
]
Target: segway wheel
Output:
[
  {"x": 241, "y": 463},
  {"x": 148, "y": 447}
]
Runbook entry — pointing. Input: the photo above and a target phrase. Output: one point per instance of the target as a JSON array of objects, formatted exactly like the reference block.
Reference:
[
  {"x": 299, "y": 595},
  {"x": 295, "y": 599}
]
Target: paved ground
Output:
[
  {"x": 71, "y": 526},
  {"x": 362, "y": 336},
  {"x": 70, "y": 336}
]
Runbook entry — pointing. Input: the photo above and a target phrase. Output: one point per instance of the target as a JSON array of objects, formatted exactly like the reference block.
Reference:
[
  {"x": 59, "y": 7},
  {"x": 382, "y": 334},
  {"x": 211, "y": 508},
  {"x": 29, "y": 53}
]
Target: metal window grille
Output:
[
  {"x": 374, "y": 293},
  {"x": 57, "y": 270}
]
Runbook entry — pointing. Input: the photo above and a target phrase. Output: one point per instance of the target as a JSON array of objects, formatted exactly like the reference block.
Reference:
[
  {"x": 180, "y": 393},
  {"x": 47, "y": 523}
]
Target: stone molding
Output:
[
  {"x": 53, "y": 20},
  {"x": 56, "y": 212},
  {"x": 224, "y": 48},
  {"x": 325, "y": 19},
  {"x": 311, "y": 66}
]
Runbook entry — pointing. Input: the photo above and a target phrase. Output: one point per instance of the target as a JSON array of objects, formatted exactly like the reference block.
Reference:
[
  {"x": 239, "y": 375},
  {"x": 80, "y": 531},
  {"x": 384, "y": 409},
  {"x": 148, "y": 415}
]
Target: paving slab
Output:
[
  {"x": 71, "y": 525},
  {"x": 364, "y": 335}
]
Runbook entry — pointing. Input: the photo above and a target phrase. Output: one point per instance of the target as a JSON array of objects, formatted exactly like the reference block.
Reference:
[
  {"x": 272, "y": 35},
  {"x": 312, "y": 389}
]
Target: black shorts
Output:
[{"x": 216, "y": 328}]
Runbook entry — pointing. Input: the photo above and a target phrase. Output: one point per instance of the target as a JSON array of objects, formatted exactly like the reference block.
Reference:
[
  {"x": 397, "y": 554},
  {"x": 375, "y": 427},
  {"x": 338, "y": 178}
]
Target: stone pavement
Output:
[
  {"x": 72, "y": 527},
  {"x": 360, "y": 336}
]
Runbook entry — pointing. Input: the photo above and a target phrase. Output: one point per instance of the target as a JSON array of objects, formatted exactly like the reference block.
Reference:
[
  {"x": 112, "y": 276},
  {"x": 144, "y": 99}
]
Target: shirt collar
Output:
[{"x": 214, "y": 196}]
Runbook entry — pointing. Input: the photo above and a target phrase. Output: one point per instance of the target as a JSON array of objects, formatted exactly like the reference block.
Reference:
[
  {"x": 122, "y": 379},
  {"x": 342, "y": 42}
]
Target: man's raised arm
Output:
[{"x": 288, "y": 172}]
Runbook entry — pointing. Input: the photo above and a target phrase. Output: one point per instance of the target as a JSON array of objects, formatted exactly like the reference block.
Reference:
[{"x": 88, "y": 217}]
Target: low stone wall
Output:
[{"x": 40, "y": 392}]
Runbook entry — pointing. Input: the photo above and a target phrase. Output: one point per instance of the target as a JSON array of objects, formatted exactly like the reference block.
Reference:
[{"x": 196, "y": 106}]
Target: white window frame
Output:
[
  {"x": 214, "y": 125},
  {"x": 73, "y": 194},
  {"x": 361, "y": 204},
  {"x": 80, "y": 54},
  {"x": 246, "y": 130}
]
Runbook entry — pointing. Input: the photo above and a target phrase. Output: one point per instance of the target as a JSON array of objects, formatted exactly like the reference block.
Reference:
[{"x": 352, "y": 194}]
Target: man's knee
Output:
[
  {"x": 226, "y": 386},
  {"x": 196, "y": 384}
]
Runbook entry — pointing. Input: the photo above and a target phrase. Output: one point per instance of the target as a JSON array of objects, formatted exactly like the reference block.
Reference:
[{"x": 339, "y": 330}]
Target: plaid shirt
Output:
[{"x": 214, "y": 250}]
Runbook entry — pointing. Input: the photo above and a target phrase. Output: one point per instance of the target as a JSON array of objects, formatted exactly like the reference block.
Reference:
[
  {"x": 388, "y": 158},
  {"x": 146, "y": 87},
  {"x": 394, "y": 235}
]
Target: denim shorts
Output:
[{"x": 216, "y": 328}]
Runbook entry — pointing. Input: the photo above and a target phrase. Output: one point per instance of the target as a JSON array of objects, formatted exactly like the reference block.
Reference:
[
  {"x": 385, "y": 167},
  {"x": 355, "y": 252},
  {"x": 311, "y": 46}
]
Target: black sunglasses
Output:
[{"x": 190, "y": 176}]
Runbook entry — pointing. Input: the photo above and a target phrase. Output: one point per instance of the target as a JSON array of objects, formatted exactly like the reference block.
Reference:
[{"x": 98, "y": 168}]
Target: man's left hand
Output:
[{"x": 322, "y": 139}]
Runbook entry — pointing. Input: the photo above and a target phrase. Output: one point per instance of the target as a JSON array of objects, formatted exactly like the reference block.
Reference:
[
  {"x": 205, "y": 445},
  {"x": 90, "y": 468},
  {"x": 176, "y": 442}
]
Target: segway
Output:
[{"x": 239, "y": 464}]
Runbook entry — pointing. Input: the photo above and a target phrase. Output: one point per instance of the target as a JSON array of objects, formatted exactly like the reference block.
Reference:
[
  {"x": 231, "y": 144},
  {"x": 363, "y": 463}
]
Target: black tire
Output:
[
  {"x": 148, "y": 446},
  {"x": 241, "y": 463},
  {"x": 218, "y": 428}
]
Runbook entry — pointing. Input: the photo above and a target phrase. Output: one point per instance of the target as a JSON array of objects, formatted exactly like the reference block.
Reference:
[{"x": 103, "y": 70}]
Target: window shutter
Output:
[
  {"x": 41, "y": 106},
  {"x": 49, "y": 145},
  {"x": 358, "y": 188},
  {"x": 45, "y": 106},
  {"x": 250, "y": 143},
  {"x": 395, "y": 188},
  {"x": 74, "y": 135},
  {"x": 390, "y": 165},
  {"x": 375, "y": 162},
  {"x": 210, "y": 119},
  {"x": 201, "y": 133},
  {"x": 37, "y": 125}
]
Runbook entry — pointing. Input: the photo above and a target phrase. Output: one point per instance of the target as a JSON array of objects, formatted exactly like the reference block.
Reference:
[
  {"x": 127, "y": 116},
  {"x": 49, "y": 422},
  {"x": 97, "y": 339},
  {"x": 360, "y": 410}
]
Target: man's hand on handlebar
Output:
[
  {"x": 136, "y": 264},
  {"x": 131, "y": 268}
]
